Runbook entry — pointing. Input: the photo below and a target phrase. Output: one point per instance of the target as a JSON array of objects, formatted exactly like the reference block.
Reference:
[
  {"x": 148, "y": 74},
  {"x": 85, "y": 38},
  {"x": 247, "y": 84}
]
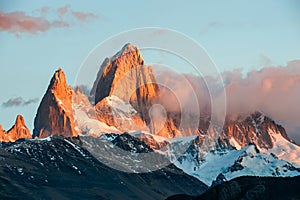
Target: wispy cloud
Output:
[
  {"x": 43, "y": 10},
  {"x": 63, "y": 10},
  {"x": 18, "y": 101},
  {"x": 83, "y": 16},
  {"x": 17, "y": 22},
  {"x": 21, "y": 22}
]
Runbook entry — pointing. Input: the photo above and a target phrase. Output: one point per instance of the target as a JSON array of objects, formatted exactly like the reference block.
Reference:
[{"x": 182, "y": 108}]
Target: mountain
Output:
[
  {"x": 265, "y": 133},
  {"x": 55, "y": 112},
  {"x": 125, "y": 76},
  {"x": 249, "y": 144},
  {"x": 18, "y": 131},
  {"x": 233, "y": 143},
  {"x": 235, "y": 163},
  {"x": 243, "y": 188},
  {"x": 59, "y": 168},
  {"x": 255, "y": 128},
  {"x": 121, "y": 125}
]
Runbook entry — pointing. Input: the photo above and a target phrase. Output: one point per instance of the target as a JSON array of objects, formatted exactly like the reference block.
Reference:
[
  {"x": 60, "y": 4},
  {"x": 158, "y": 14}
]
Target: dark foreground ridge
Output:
[
  {"x": 251, "y": 188},
  {"x": 61, "y": 169}
]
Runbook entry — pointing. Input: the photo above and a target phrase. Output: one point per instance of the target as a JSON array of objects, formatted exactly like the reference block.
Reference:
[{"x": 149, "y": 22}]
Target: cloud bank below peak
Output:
[{"x": 272, "y": 90}]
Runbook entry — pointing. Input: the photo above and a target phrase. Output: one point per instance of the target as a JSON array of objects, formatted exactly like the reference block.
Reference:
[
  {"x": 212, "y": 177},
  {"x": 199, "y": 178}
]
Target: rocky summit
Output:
[
  {"x": 18, "y": 131},
  {"x": 55, "y": 113},
  {"x": 125, "y": 76}
]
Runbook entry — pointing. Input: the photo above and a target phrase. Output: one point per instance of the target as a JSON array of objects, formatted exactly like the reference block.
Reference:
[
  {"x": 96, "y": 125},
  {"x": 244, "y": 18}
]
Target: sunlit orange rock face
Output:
[
  {"x": 18, "y": 131},
  {"x": 55, "y": 113},
  {"x": 254, "y": 128},
  {"x": 125, "y": 76}
]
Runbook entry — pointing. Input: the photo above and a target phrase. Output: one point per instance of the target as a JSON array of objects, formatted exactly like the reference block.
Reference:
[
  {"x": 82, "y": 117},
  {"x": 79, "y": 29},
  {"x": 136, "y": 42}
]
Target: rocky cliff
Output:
[
  {"x": 126, "y": 77},
  {"x": 55, "y": 113},
  {"x": 253, "y": 128},
  {"x": 18, "y": 131}
]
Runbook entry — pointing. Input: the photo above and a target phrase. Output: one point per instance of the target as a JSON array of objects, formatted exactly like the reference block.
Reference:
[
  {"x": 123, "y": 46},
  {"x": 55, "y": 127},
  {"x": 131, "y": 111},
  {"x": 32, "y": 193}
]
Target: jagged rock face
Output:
[
  {"x": 55, "y": 114},
  {"x": 3, "y": 135},
  {"x": 126, "y": 77},
  {"x": 151, "y": 141},
  {"x": 255, "y": 128},
  {"x": 18, "y": 131},
  {"x": 127, "y": 64}
]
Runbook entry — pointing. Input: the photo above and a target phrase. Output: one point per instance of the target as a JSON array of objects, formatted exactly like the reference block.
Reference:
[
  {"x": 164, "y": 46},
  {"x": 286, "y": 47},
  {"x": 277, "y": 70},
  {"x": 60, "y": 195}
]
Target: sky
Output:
[{"x": 37, "y": 37}]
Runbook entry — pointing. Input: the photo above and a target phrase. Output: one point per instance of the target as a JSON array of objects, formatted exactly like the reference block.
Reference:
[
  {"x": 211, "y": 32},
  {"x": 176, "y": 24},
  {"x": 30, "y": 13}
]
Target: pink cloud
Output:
[
  {"x": 44, "y": 10},
  {"x": 20, "y": 22},
  {"x": 274, "y": 91},
  {"x": 63, "y": 10},
  {"x": 83, "y": 16}
]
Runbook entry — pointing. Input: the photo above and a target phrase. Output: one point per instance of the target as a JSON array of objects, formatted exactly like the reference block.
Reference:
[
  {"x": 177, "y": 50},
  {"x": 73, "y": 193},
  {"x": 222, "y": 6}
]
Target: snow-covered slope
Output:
[
  {"x": 284, "y": 149},
  {"x": 235, "y": 163},
  {"x": 86, "y": 118}
]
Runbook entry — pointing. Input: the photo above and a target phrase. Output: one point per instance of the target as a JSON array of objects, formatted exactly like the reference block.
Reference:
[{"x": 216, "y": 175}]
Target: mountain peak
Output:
[
  {"x": 17, "y": 131},
  {"x": 55, "y": 113},
  {"x": 125, "y": 76},
  {"x": 121, "y": 74},
  {"x": 258, "y": 127},
  {"x": 58, "y": 82},
  {"x": 20, "y": 121},
  {"x": 131, "y": 53},
  {"x": 129, "y": 47}
]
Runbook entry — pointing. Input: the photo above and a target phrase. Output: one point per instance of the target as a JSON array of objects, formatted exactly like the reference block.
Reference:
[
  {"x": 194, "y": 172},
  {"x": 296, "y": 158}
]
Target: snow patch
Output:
[
  {"x": 284, "y": 149},
  {"x": 236, "y": 163},
  {"x": 234, "y": 143}
]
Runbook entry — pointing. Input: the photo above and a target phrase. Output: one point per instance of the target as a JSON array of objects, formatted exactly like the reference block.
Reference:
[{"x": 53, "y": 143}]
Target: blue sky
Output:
[{"x": 236, "y": 34}]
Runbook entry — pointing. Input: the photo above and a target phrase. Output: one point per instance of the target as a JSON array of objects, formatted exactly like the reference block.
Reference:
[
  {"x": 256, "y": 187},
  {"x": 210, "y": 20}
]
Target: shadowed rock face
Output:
[
  {"x": 73, "y": 173},
  {"x": 55, "y": 114},
  {"x": 18, "y": 131}
]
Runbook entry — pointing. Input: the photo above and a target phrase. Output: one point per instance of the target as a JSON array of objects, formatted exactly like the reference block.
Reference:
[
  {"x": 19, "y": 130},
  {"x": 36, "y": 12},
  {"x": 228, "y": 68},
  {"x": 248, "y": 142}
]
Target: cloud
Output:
[
  {"x": 274, "y": 91},
  {"x": 17, "y": 22},
  {"x": 63, "y": 10},
  {"x": 182, "y": 91},
  {"x": 83, "y": 16},
  {"x": 18, "y": 101},
  {"x": 20, "y": 22},
  {"x": 43, "y": 10}
]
